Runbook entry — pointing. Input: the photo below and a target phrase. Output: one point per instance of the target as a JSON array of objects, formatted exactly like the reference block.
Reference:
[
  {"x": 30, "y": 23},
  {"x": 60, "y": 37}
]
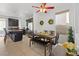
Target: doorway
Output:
[{"x": 29, "y": 24}]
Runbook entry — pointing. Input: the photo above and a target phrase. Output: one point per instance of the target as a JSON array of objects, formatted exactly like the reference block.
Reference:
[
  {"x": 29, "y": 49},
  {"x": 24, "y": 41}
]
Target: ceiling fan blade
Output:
[
  {"x": 35, "y": 7},
  {"x": 37, "y": 11},
  {"x": 49, "y": 7}
]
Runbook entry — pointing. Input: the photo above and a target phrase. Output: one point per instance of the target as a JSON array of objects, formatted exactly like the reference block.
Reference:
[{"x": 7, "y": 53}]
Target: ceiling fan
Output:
[{"x": 43, "y": 8}]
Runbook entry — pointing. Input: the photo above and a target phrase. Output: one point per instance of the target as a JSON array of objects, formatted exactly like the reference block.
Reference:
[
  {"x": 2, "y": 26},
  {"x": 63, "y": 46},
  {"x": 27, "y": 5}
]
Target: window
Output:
[
  {"x": 2, "y": 24},
  {"x": 62, "y": 18},
  {"x": 67, "y": 17}
]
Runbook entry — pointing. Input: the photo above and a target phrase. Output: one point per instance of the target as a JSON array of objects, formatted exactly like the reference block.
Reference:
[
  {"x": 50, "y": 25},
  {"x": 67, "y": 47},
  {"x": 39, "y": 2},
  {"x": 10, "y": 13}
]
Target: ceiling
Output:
[{"x": 22, "y": 10}]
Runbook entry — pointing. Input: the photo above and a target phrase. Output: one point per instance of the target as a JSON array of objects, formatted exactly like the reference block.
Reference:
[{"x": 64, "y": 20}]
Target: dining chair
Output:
[
  {"x": 52, "y": 32},
  {"x": 59, "y": 50},
  {"x": 44, "y": 42},
  {"x": 38, "y": 40},
  {"x": 32, "y": 36},
  {"x": 53, "y": 43},
  {"x": 6, "y": 33},
  {"x": 47, "y": 43},
  {"x": 55, "y": 40}
]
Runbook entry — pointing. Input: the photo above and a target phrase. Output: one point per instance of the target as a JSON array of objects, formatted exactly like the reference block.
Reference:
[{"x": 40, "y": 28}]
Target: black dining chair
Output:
[
  {"x": 38, "y": 40},
  {"x": 6, "y": 33},
  {"x": 35, "y": 38},
  {"x": 54, "y": 41}
]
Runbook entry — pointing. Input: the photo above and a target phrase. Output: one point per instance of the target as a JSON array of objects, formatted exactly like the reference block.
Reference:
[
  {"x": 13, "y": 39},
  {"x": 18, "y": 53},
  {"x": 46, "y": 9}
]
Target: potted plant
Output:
[
  {"x": 70, "y": 35},
  {"x": 70, "y": 48}
]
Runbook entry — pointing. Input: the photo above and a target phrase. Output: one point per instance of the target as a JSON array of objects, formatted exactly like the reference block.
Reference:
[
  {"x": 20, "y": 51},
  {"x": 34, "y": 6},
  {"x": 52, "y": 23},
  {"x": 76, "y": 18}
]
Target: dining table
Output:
[{"x": 47, "y": 36}]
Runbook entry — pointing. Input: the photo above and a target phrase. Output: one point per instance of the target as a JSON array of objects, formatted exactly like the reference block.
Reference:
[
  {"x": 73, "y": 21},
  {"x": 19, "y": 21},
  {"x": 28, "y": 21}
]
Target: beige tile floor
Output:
[{"x": 20, "y": 48}]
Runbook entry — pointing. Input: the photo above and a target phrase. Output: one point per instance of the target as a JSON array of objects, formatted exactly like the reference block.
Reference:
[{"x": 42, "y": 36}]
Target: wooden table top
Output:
[{"x": 45, "y": 35}]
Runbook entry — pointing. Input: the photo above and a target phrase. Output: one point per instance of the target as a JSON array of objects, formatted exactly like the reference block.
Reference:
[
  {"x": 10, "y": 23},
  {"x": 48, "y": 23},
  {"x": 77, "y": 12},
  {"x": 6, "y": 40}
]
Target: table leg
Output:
[
  {"x": 50, "y": 48},
  {"x": 45, "y": 51},
  {"x": 5, "y": 38}
]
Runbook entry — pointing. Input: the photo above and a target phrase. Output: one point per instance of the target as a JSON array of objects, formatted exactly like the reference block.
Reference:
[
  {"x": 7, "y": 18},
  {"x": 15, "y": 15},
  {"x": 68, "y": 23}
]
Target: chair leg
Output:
[
  {"x": 5, "y": 39},
  {"x": 50, "y": 50},
  {"x": 30, "y": 43}
]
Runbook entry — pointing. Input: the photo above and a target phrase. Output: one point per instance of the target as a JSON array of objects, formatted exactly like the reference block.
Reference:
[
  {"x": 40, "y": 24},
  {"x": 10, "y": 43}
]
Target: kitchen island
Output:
[{"x": 16, "y": 35}]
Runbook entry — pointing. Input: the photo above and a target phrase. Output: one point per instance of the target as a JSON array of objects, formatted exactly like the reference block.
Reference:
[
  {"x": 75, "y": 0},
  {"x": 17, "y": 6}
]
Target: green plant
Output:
[
  {"x": 70, "y": 48},
  {"x": 51, "y": 21},
  {"x": 70, "y": 35},
  {"x": 41, "y": 22}
]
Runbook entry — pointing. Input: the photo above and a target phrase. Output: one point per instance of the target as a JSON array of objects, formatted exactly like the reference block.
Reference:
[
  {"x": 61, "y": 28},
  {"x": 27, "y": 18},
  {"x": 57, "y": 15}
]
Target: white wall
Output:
[
  {"x": 76, "y": 24},
  {"x": 22, "y": 23},
  {"x": 45, "y": 17}
]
